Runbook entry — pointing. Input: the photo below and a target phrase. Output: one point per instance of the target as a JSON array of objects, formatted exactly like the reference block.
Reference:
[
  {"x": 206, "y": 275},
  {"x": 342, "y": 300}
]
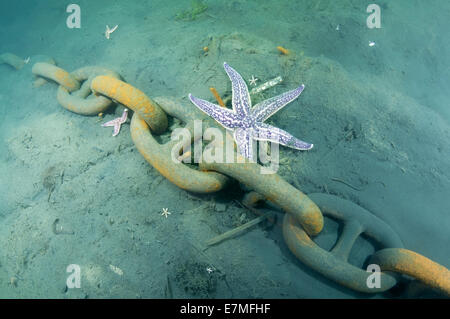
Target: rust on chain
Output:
[
  {"x": 415, "y": 265},
  {"x": 150, "y": 118},
  {"x": 76, "y": 101},
  {"x": 60, "y": 76},
  {"x": 75, "y": 87},
  {"x": 159, "y": 156},
  {"x": 132, "y": 98},
  {"x": 252, "y": 198}
]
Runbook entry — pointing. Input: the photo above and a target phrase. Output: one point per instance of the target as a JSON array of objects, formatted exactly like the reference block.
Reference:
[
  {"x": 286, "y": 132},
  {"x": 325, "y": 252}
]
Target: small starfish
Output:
[
  {"x": 246, "y": 121},
  {"x": 165, "y": 212},
  {"x": 253, "y": 80},
  {"x": 117, "y": 122},
  {"x": 109, "y": 31},
  {"x": 209, "y": 270},
  {"x": 27, "y": 60}
]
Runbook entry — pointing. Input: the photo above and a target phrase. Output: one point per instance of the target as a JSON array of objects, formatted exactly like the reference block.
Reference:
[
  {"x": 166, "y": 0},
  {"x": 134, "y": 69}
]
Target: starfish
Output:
[
  {"x": 109, "y": 31},
  {"x": 253, "y": 80},
  {"x": 165, "y": 212},
  {"x": 117, "y": 122},
  {"x": 247, "y": 122}
]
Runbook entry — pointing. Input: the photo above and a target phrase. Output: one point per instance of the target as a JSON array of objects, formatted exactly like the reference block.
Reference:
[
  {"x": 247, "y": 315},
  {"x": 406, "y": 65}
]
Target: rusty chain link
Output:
[{"x": 303, "y": 216}]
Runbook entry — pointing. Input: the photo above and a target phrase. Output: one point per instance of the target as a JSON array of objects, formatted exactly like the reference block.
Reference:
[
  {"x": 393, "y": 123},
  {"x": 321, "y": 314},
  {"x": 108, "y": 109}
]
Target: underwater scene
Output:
[{"x": 224, "y": 149}]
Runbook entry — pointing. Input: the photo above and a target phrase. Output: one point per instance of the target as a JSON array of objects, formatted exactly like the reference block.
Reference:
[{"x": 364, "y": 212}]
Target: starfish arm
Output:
[
  {"x": 274, "y": 134},
  {"x": 110, "y": 123},
  {"x": 227, "y": 118},
  {"x": 244, "y": 141},
  {"x": 124, "y": 116},
  {"x": 262, "y": 111},
  {"x": 116, "y": 129},
  {"x": 241, "y": 98}
]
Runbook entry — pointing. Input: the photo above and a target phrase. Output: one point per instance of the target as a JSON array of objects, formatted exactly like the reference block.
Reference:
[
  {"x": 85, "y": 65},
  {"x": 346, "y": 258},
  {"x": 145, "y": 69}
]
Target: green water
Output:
[{"x": 378, "y": 116}]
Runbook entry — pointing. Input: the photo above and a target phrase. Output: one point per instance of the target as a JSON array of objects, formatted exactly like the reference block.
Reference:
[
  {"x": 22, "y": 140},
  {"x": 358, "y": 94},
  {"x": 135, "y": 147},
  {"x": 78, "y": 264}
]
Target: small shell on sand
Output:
[{"x": 117, "y": 270}]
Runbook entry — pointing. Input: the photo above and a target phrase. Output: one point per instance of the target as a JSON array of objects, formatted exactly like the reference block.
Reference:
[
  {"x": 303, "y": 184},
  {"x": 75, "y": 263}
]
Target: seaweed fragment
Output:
[{"x": 197, "y": 8}]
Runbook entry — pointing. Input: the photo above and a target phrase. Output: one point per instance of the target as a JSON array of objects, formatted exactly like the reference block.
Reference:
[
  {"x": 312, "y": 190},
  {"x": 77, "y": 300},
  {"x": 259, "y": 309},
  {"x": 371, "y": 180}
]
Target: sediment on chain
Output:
[
  {"x": 12, "y": 60},
  {"x": 77, "y": 102},
  {"x": 60, "y": 76},
  {"x": 327, "y": 264}
]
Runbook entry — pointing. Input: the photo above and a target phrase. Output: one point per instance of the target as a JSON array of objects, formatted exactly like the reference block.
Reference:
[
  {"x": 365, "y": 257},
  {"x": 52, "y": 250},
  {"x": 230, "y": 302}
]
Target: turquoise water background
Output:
[{"x": 378, "y": 115}]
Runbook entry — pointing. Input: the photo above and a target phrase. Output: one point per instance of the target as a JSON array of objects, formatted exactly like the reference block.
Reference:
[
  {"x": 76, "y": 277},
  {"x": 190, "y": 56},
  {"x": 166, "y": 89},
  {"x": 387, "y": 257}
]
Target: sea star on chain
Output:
[
  {"x": 246, "y": 121},
  {"x": 117, "y": 122}
]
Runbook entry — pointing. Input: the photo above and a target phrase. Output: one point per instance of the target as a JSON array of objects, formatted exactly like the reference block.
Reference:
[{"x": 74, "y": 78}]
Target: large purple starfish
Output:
[{"x": 246, "y": 121}]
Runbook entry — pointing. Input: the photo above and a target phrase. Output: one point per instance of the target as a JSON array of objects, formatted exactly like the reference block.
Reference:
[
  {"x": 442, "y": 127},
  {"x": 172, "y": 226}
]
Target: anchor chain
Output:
[{"x": 304, "y": 214}]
